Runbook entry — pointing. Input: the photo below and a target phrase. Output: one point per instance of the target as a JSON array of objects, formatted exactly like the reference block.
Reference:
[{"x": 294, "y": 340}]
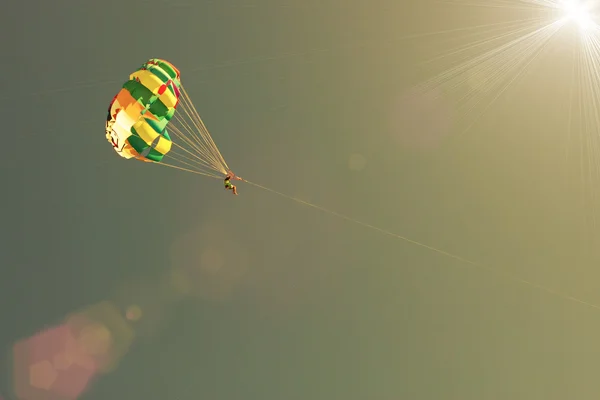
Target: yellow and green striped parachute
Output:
[{"x": 151, "y": 107}]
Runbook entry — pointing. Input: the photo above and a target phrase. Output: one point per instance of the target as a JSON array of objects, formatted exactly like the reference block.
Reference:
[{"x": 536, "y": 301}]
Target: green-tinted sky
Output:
[{"x": 305, "y": 305}]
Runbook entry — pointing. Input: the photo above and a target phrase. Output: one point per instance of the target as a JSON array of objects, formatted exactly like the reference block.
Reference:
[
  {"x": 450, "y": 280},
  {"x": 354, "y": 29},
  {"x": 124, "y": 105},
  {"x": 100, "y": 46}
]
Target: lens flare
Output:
[{"x": 578, "y": 13}]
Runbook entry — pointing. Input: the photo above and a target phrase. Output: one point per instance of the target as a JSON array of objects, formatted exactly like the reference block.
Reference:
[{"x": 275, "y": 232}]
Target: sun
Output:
[{"x": 578, "y": 13}]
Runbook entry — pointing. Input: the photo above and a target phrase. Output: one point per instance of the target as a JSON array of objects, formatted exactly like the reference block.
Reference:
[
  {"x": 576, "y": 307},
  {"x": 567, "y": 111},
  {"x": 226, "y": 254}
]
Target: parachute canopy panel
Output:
[{"x": 138, "y": 115}]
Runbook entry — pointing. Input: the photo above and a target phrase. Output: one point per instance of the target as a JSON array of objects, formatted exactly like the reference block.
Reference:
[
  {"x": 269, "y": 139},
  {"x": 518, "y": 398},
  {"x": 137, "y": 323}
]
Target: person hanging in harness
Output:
[{"x": 227, "y": 181}]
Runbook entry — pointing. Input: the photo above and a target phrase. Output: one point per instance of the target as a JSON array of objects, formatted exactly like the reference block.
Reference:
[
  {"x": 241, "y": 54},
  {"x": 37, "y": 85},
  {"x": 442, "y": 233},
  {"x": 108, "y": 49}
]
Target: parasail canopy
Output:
[{"x": 152, "y": 119}]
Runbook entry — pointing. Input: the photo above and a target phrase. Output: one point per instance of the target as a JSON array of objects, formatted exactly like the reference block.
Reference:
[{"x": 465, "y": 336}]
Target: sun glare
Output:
[{"x": 578, "y": 13}]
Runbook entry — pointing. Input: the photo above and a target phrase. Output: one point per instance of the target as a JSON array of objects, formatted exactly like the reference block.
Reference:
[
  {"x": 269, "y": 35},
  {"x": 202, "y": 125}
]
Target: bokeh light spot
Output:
[
  {"x": 62, "y": 361},
  {"x": 42, "y": 375},
  {"x": 133, "y": 313},
  {"x": 207, "y": 262},
  {"x": 50, "y": 364},
  {"x": 95, "y": 339}
]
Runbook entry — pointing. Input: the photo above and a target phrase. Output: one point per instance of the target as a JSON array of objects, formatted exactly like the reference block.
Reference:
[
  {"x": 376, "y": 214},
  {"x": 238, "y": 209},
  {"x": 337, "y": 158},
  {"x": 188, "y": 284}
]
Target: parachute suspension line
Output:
[
  {"x": 193, "y": 165},
  {"x": 199, "y": 132},
  {"x": 193, "y": 171},
  {"x": 197, "y": 152},
  {"x": 203, "y": 130},
  {"x": 201, "y": 145},
  {"x": 192, "y": 147},
  {"x": 475, "y": 264},
  {"x": 180, "y": 157},
  {"x": 201, "y": 125},
  {"x": 194, "y": 162},
  {"x": 197, "y": 158},
  {"x": 194, "y": 141},
  {"x": 188, "y": 135}
]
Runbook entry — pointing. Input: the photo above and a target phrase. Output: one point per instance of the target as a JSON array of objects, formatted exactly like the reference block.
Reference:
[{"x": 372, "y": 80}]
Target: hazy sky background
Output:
[{"x": 312, "y": 99}]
